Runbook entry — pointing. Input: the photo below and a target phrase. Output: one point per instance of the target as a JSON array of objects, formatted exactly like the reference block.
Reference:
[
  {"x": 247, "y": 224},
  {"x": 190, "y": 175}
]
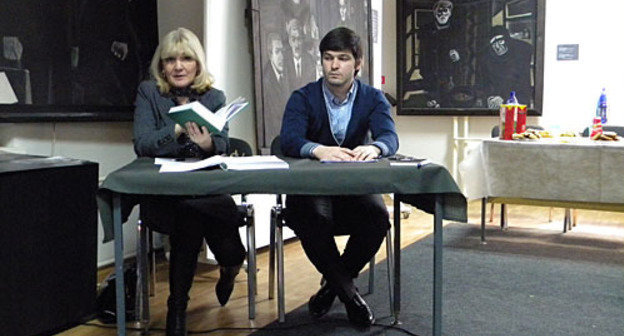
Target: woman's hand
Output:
[{"x": 200, "y": 136}]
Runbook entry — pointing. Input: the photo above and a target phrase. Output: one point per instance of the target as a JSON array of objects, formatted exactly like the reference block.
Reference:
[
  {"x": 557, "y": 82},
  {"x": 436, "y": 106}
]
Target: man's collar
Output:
[{"x": 329, "y": 94}]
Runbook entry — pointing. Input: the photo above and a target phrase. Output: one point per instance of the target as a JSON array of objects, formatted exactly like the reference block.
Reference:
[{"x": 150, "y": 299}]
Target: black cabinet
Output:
[{"x": 48, "y": 243}]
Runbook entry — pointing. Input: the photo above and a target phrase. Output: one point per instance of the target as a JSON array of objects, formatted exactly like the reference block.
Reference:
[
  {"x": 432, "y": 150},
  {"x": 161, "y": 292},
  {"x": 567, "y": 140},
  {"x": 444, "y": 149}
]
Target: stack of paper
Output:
[{"x": 253, "y": 162}]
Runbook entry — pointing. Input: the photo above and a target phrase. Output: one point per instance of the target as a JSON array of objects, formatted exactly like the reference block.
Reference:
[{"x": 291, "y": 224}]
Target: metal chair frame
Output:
[{"x": 277, "y": 247}]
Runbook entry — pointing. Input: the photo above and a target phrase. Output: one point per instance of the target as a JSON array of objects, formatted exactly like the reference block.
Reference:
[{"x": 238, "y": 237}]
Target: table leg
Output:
[
  {"x": 567, "y": 221},
  {"x": 503, "y": 222},
  {"x": 437, "y": 266},
  {"x": 483, "y": 207},
  {"x": 141, "y": 308},
  {"x": 397, "y": 261},
  {"x": 119, "y": 271}
]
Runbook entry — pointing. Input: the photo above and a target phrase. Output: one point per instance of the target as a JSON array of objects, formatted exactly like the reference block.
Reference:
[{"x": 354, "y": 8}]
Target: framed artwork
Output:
[
  {"x": 286, "y": 35},
  {"x": 74, "y": 60},
  {"x": 464, "y": 57}
]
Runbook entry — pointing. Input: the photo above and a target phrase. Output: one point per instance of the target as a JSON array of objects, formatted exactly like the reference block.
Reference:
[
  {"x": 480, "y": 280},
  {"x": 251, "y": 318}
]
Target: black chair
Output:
[
  {"x": 276, "y": 246},
  {"x": 145, "y": 289}
]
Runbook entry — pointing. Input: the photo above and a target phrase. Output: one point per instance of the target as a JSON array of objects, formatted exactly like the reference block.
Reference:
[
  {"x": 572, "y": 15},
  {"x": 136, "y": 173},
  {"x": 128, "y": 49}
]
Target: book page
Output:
[{"x": 231, "y": 109}]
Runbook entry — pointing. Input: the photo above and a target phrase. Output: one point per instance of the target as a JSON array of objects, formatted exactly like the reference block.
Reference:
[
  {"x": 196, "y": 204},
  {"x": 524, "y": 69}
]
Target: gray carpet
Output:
[{"x": 523, "y": 282}]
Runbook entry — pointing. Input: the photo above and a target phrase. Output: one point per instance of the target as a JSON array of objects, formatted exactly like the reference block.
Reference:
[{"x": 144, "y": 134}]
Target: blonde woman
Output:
[{"x": 180, "y": 76}]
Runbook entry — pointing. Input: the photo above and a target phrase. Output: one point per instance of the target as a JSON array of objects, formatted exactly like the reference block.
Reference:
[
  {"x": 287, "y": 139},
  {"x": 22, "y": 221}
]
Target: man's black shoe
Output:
[
  {"x": 321, "y": 302},
  {"x": 358, "y": 312}
]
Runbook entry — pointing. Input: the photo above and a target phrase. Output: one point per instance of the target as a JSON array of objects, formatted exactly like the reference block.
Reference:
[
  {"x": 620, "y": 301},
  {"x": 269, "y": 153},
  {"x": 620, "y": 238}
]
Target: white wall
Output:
[
  {"x": 572, "y": 88},
  {"x": 230, "y": 59}
]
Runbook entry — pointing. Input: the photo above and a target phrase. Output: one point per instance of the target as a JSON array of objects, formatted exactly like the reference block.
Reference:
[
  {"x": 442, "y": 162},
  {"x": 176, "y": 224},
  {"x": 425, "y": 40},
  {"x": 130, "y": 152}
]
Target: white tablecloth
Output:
[{"x": 580, "y": 170}]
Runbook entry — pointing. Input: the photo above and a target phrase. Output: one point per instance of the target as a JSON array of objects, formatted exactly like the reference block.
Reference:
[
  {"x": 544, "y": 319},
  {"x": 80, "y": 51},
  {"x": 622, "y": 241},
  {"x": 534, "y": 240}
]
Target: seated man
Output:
[{"x": 333, "y": 119}]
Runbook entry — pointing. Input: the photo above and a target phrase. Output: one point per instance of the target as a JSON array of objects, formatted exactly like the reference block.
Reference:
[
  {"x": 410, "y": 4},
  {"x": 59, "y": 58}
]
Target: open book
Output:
[
  {"x": 253, "y": 162},
  {"x": 198, "y": 113}
]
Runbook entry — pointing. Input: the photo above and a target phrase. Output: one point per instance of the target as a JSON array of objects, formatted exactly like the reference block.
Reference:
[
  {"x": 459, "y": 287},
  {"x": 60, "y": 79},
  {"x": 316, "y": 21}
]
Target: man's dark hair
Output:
[{"x": 342, "y": 38}]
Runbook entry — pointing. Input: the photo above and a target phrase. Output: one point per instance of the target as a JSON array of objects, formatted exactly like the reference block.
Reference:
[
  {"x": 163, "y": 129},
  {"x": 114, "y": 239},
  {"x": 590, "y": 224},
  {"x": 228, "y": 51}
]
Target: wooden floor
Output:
[{"x": 205, "y": 313}]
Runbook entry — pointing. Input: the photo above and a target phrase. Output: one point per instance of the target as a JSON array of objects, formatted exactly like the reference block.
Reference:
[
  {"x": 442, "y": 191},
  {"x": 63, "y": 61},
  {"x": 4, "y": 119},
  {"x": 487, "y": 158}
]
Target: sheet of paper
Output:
[
  {"x": 343, "y": 161},
  {"x": 253, "y": 162},
  {"x": 410, "y": 163},
  {"x": 7, "y": 95},
  {"x": 160, "y": 161}
]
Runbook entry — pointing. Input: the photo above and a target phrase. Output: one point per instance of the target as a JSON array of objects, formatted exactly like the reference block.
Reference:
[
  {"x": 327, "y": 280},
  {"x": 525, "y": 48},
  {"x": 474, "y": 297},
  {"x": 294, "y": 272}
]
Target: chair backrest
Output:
[
  {"x": 276, "y": 147},
  {"x": 609, "y": 128},
  {"x": 239, "y": 147},
  {"x": 496, "y": 129}
]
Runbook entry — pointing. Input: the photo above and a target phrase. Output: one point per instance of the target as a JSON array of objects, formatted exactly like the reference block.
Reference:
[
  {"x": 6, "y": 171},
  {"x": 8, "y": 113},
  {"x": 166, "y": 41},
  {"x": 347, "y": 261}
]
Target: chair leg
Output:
[
  {"x": 574, "y": 217},
  {"x": 371, "y": 275},
  {"x": 141, "y": 303},
  {"x": 273, "y": 228},
  {"x": 491, "y": 212},
  {"x": 390, "y": 262},
  {"x": 550, "y": 214},
  {"x": 281, "y": 306},
  {"x": 152, "y": 268},
  {"x": 390, "y": 265},
  {"x": 252, "y": 287}
]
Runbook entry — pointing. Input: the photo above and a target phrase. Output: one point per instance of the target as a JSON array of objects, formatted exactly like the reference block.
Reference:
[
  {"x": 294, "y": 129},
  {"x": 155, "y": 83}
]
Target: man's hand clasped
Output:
[{"x": 333, "y": 153}]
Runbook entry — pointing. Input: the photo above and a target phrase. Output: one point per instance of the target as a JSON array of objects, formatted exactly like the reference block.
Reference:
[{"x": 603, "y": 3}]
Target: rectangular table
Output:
[
  {"x": 563, "y": 172},
  {"x": 429, "y": 188}
]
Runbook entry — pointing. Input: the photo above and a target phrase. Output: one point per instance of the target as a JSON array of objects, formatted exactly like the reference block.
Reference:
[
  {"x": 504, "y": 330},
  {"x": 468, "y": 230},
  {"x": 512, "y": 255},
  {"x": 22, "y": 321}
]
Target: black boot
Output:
[
  {"x": 176, "y": 317},
  {"x": 225, "y": 285},
  {"x": 182, "y": 265}
]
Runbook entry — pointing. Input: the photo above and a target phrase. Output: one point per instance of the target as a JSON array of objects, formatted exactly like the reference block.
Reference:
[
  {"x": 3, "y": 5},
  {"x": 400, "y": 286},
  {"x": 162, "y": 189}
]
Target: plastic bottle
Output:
[
  {"x": 512, "y": 99},
  {"x": 601, "y": 107}
]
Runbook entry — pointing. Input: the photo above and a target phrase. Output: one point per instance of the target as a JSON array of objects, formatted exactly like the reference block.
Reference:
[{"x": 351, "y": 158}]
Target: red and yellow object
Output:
[
  {"x": 512, "y": 120},
  {"x": 596, "y": 128}
]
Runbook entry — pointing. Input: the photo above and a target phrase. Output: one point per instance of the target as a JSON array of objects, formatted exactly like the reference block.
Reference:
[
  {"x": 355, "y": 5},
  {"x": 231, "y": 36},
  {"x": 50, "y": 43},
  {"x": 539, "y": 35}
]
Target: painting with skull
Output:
[
  {"x": 287, "y": 34},
  {"x": 466, "y": 56}
]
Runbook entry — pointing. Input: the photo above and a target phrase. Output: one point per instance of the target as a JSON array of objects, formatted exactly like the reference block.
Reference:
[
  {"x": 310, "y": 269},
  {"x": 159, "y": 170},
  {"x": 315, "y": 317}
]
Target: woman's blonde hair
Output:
[{"x": 181, "y": 41}]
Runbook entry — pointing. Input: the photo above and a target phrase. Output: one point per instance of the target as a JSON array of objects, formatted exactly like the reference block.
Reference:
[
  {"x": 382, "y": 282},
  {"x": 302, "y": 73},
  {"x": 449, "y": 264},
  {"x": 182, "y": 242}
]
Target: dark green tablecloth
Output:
[{"x": 417, "y": 186}]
